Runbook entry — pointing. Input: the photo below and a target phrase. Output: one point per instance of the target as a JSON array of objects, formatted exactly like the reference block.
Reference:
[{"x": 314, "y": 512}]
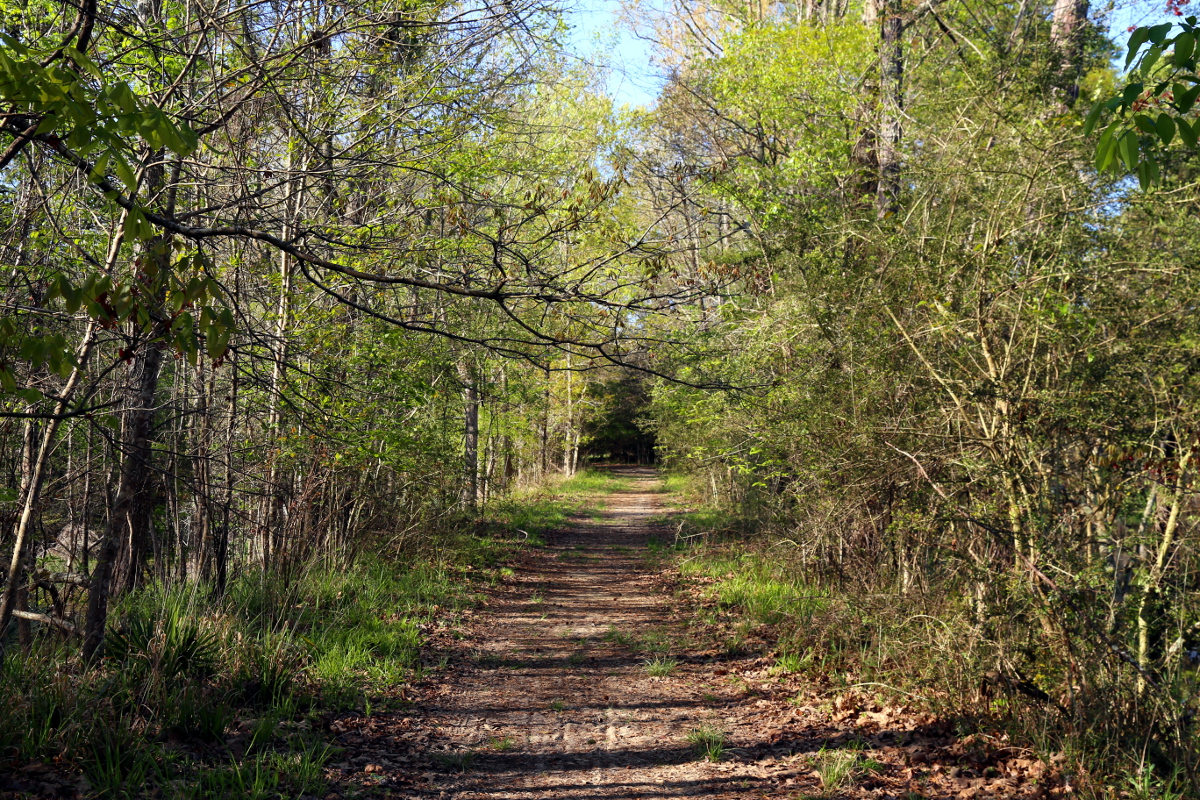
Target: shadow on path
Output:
[{"x": 551, "y": 698}]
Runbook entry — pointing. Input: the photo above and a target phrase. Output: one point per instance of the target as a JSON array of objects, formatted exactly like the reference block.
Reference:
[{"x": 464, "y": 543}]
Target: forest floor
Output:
[{"x": 584, "y": 676}]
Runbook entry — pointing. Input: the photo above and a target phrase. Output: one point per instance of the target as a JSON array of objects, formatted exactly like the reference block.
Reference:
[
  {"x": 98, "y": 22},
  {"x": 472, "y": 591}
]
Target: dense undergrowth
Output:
[
  {"x": 198, "y": 697},
  {"x": 922, "y": 648},
  {"x": 205, "y": 698}
]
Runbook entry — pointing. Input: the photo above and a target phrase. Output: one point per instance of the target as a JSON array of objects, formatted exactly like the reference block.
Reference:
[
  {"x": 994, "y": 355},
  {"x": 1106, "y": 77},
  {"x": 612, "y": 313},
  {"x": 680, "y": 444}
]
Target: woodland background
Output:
[{"x": 294, "y": 291}]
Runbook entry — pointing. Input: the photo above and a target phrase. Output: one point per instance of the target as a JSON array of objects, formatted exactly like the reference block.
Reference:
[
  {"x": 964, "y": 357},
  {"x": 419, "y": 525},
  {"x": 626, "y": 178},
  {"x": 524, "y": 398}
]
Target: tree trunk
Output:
[
  {"x": 545, "y": 432},
  {"x": 870, "y": 12},
  {"x": 202, "y": 457},
  {"x": 34, "y": 463},
  {"x": 273, "y": 501},
  {"x": 891, "y": 108},
  {"x": 1066, "y": 33},
  {"x": 132, "y": 523},
  {"x": 118, "y": 561},
  {"x": 219, "y": 572},
  {"x": 470, "y": 492},
  {"x": 568, "y": 456},
  {"x": 1150, "y": 608}
]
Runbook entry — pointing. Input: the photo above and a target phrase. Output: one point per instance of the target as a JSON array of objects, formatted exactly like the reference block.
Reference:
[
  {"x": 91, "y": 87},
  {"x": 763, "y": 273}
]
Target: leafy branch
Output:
[{"x": 1155, "y": 105}]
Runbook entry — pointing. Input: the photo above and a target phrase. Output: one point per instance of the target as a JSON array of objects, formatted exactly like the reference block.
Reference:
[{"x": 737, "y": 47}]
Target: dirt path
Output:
[{"x": 549, "y": 696}]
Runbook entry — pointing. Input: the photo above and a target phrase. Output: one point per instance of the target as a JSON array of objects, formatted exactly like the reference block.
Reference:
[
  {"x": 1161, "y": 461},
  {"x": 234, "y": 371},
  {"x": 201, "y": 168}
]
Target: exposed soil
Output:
[{"x": 548, "y": 695}]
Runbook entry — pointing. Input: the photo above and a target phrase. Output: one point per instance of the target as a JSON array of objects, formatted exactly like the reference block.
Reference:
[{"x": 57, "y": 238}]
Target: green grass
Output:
[
  {"x": 460, "y": 760},
  {"x": 618, "y": 637},
  {"x": 926, "y": 646},
  {"x": 257, "y": 666},
  {"x": 655, "y": 642},
  {"x": 836, "y": 769},
  {"x": 708, "y": 741},
  {"x": 659, "y": 548},
  {"x": 594, "y": 481},
  {"x": 503, "y": 744},
  {"x": 1144, "y": 784},
  {"x": 787, "y": 663},
  {"x": 243, "y": 681},
  {"x": 677, "y": 483},
  {"x": 660, "y": 666},
  {"x": 531, "y": 515},
  {"x": 758, "y": 588}
]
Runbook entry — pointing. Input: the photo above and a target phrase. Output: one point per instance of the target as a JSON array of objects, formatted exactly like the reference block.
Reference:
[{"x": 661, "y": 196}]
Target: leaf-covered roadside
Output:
[{"x": 881, "y": 712}]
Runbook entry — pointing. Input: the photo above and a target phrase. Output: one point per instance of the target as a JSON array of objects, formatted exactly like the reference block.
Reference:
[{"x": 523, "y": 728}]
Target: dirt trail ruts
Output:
[{"x": 548, "y": 696}]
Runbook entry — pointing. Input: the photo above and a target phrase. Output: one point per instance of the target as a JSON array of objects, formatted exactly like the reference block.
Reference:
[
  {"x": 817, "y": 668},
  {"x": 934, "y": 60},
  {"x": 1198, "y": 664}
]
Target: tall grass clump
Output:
[{"x": 758, "y": 587}]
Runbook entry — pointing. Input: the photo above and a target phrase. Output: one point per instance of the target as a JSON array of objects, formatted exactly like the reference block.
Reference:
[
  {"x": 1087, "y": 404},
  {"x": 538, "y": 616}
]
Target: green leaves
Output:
[
  {"x": 1187, "y": 132},
  {"x": 1148, "y": 174},
  {"x": 1136, "y": 40},
  {"x": 1131, "y": 93},
  {"x": 1146, "y": 122},
  {"x": 136, "y": 226},
  {"x": 1107, "y": 148},
  {"x": 1165, "y": 128},
  {"x": 40, "y": 348},
  {"x": 217, "y": 327},
  {"x": 104, "y": 119},
  {"x": 1158, "y": 33},
  {"x": 1127, "y": 147},
  {"x": 1185, "y": 43},
  {"x": 180, "y": 307},
  {"x": 1185, "y": 98},
  {"x": 1149, "y": 60}
]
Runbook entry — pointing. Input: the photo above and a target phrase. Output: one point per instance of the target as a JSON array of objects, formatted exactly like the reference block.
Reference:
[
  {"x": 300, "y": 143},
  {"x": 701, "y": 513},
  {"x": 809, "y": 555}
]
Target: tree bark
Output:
[
  {"x": 1149, "y": 609},
  {"x": 122, "y": 546},
  {"x": 273, "y": 501},
  {"x": 891, "y": 107},
  {"x": 1066, "y": 33},
  {"x": 470, "y": 492},
  {"x": 137, "y": 471}
]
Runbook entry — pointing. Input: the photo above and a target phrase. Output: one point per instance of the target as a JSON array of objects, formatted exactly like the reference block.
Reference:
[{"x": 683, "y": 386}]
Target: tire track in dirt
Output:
[{"x": 546, "y": 698}]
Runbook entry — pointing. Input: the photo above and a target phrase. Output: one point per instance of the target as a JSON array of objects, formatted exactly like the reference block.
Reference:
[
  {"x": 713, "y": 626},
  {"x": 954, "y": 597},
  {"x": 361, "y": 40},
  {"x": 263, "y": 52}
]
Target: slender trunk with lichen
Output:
[
  {"x": 1149, "y": 609},
  {"x": 36, "y": 461},
  {"x": 470, "y": 490}
]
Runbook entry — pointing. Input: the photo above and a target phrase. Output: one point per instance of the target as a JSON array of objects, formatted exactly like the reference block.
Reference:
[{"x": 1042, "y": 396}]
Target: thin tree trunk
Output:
[
  {"x": 220, "y": 557},
  {"x": 35, "y": 473},
  {"x": 132, "y": 521},
  {"x": 273, "y": 504},
  {"x": 545, "y": 449},
  {"x": 569, "y": 425},
  {"x": 891, "y": 107},
  {"x": 1149, "y": 607},
  {"x": 470, "y": 493},
  {"x": 201, "y": 461}
]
